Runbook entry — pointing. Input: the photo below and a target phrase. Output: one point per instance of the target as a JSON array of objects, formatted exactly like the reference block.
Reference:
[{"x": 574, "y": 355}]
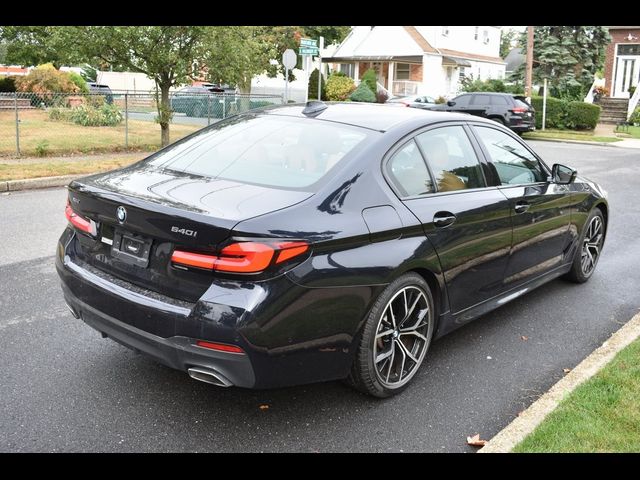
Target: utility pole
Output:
[{"x": 529, "y": 71}]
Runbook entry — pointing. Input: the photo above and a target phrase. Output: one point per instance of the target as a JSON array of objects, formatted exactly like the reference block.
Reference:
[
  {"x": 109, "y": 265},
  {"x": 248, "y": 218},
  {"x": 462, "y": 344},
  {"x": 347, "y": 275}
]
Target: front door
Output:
[
  {"x": 467, "y": 223},
  {"x": 540, "y": 210},
  {"x": 627, "y": 75}
]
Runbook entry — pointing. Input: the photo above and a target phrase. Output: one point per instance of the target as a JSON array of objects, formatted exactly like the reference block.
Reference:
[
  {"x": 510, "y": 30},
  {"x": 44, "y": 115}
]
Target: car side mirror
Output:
[
  {"x": 451, "y": 103},
  {"x": 562, "y": 174}
]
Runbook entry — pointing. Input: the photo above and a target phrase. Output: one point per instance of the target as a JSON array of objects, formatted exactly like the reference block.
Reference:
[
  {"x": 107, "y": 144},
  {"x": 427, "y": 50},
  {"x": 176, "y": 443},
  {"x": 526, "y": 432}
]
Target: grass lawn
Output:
[
  {"x": 15, "y": 171},
  {"x": 56, "y": 137},
  {"x": 568, "y": 135},
  {"x": 601, "y": 415},
  {"x": 633, "y": 131}
]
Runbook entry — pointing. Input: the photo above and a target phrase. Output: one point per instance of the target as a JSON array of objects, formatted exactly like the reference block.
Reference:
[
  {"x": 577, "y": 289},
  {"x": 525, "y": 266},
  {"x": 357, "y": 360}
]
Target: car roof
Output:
[
  {"x": 489, "y": 93},
  {"x": 373, "y": 116}
]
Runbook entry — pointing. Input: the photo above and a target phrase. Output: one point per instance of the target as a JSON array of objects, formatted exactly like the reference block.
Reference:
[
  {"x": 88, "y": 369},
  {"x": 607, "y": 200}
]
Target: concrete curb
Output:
[
  {"x": 580, "y": 142},
  {"x": 33, "y": 183},
  {"x": 528, "y": 420}
]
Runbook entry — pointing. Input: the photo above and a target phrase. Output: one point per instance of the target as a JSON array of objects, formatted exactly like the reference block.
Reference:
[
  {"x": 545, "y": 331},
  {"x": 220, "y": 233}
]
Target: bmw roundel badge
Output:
[{"x": 121, "y": 213}]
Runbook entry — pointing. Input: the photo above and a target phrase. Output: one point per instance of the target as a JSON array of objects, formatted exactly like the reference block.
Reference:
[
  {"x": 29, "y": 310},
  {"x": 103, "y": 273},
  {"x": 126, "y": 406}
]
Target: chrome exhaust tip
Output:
[{"x": 209, "y": 376}]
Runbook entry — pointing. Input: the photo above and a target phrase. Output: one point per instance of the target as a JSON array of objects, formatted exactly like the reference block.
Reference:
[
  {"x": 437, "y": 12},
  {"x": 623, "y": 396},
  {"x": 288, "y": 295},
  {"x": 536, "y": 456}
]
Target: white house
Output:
[{"x": 421, "y": 60}]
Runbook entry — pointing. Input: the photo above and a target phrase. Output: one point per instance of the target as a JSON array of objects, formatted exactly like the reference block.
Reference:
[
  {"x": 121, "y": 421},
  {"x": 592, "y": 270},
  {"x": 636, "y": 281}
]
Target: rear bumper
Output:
[
  {"x": 176, "y": 352},
  {"x": 518, "y": 124},
  {"x": 290, "y": 334}
]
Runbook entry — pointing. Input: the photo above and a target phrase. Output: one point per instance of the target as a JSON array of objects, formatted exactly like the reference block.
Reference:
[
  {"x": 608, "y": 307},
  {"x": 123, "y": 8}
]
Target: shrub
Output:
[
  {"x": 105, "y": 116},
  {"x": 78, "y": 81},
  {"x": 88, "y": 115},
  {"x": 382, "y": 96},
  {"x": 371, "y": 79},
  {"x": 556, "y": 112},
  {"x": 7, "y": 84},
  {"x": 313, "y": 86},
  {"x": 44, "y": 82},
  {"x": 363, "y": 94},
  {"x": 490, "y": 85},
  {"x": 441, "y": 99},
  {"x": 635, "y": 117},
  {"x": 339, "y": 87},
  {"x": 582, "y": 116}
]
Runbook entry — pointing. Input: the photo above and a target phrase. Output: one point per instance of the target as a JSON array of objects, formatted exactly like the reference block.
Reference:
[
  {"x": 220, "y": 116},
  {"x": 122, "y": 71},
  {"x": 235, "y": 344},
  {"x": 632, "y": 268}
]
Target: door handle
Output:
[
  {"x": 443, "y": 219},
  {"x": 521, "y": 207}
]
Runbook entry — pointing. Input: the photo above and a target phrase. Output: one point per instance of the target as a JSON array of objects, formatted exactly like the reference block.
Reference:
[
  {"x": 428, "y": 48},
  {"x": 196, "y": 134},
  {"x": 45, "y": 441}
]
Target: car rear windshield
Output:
[
  {"x": 521, "y": 102},
  {"x": 268, "y": 150}
]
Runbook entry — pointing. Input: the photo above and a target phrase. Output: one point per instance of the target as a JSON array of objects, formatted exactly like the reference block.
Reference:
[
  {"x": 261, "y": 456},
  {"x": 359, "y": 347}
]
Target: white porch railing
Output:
[
  {"x": 633, "y": 101},
  {"x": 405, "y": 87}
]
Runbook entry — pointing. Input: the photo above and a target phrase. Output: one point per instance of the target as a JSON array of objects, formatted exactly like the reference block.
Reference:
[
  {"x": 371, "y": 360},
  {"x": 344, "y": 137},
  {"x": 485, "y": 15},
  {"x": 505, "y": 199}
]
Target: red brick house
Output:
[{"x": 622, "y": 61}]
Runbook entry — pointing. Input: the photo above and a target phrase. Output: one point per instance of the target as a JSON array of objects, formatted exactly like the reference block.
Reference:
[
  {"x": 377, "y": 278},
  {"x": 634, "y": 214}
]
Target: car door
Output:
[
  {"x": 480, "y": 105},
  {"x": 540, "y": 210},
  {"x": 460, "y": 104},
  {"x": 467, "y": 222}
]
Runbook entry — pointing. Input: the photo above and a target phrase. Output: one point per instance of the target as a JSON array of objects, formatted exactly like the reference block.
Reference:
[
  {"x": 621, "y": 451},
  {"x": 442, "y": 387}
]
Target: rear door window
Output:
[
  {"x": 498, "y": 100},
  {"x": 451, "y": 158}
]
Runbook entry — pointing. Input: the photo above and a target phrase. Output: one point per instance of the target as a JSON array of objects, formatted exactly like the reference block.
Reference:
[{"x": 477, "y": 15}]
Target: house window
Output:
[
  {"x": 403, "y": 71},
  {"x": 485, "y": 36},
  {"x": 631, "y": 49},
  {"x": 348, "y": 69},
  {"x": 445, "y": 31},
  {"x": 475, "y": 34},
  {"x": 462, "y": 73}
]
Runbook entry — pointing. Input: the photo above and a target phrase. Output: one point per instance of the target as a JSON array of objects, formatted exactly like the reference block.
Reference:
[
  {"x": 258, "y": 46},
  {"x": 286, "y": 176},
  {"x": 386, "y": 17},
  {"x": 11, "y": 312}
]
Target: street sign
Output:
[
  {"x": 308, "y": 51},
  {"x": 289, "y": 59},
  {"x": 308, "y": 42}
]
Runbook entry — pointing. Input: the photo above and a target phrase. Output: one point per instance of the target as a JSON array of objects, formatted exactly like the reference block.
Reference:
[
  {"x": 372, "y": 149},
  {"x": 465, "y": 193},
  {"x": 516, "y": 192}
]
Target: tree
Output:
[
  {"x": 235, "y": 54},
  {"x": 313, "y": 86},
  {"x": 507, "y": 38},
  {"x": 568, "y": 57},
  {"x": 363, "y": 94},
  {"x": 371, "y": 79},
  {"x": 331, "y": 34}
]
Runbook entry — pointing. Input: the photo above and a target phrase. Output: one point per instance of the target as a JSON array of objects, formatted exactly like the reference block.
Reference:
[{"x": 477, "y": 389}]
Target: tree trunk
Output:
[
  {"x": 164, "y": 113},
  {"x": 243, "y": 102}
]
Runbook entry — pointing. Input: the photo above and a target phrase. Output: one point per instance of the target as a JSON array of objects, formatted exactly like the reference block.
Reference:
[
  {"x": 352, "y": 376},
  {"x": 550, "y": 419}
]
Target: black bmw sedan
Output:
[{"x": 301, "y": 244}]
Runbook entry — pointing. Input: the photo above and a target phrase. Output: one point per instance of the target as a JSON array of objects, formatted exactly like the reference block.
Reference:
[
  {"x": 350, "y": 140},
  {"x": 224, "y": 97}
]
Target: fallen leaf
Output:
[
  {"x": 264, "y": 407},
  {"x": 566, "y": 370},
  {"x": 520, "y": 412},
  {"x": 488, "y": 357},
  {"x": 523, "y": 338},
  {"x": 475, "y": 441}
]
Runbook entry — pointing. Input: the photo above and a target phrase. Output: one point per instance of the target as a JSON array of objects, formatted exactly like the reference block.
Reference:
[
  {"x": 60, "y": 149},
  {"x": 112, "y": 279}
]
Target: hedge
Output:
[
  {"x": 582, "y": 116},
  {"x": 556, "y": 112},
  {"x": 562, "y": 114}
]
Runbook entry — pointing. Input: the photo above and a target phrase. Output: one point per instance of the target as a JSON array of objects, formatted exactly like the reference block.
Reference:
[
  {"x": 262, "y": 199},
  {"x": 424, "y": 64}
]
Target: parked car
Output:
[
  {"x": 415, "y": 101},
  {"x": 204, "y": 100},
  {"x": 303, "y": 244},
  {"x": 99, "y": 89},
  {"x": 505, "y": 108}
]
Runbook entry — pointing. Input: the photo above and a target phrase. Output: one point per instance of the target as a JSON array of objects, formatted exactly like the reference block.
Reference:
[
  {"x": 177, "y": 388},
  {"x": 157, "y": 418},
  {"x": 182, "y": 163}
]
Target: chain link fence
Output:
[{"x": 41, "y": 124}]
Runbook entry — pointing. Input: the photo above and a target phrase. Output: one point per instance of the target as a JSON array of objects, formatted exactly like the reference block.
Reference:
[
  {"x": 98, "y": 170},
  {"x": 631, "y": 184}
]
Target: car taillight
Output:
[
  {"x": 519, "y": 110},
  {"x": 242, "y": 257},
  {"x": 81, "y": 223}
]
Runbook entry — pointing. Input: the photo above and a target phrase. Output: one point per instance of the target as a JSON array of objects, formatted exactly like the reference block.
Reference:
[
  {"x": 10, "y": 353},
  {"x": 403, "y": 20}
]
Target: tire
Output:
[
  {"x": 589, "y": 248},
  {"x": 390, "y": 376},
  {"x": 498, "y": 120},
  {"x": 197, "y": 111}
]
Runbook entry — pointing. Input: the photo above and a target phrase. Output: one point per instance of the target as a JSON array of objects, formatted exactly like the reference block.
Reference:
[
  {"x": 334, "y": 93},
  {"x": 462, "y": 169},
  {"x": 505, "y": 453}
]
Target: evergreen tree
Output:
[{"x": 567, "y": 56}]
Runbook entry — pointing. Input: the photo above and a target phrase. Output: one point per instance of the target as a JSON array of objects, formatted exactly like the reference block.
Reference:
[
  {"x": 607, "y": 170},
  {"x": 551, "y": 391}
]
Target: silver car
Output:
[{"x": 415, "y": 101}]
